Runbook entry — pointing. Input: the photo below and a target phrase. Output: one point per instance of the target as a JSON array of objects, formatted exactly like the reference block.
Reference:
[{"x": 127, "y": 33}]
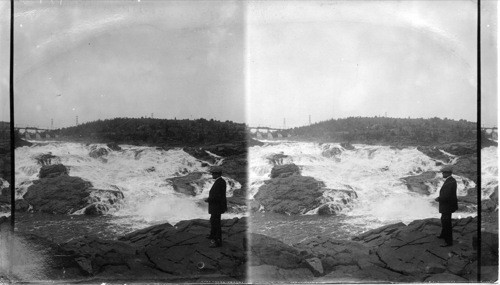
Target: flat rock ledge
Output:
[
  {"x": 165, "y": 252},
  {"x": 393, "y": 253}
]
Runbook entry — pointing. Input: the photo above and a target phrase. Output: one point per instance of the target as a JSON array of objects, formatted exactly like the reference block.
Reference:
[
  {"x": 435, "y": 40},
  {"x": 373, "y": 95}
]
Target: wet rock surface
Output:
[
  {"x": 331, "y": 152},
  {"x": 393, "y": 253},
  {"x": 285, "y": 170},
  {"x": 49, "y": 171},
  {"x": 97, "y": 152},
  {"x": 158, "y": 253},
  {"x": 288, "y": 192},
  {"x": 290, "y": 195},
  {"x": 187, "y": 184},
  {"x": 57, "y": 192},
  {"x": 62, "y": 194},
  {"x": 420, "y": 183}
]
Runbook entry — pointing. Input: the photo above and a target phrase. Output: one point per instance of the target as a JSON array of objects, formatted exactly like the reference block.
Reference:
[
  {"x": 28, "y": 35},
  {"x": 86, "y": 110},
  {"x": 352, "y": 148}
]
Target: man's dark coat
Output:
[
  {"x": 217, "y": 203},
  {"x": 448, "y": 196}
]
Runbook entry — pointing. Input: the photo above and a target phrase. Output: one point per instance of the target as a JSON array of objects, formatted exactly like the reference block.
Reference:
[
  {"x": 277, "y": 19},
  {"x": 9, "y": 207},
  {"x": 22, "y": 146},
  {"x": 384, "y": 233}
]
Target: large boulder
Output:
[
  {"x": 190, "y": 184},
  {"x": 54, "y": 170},
  {"x": 97, "y": 152},
  {"x": 285, "y": 170},
  {"x": 420, "y": 183},
  {"x": 290, "y": 195},
  {"x": 65, "y": 194},
  {"x": 61, "y": 194},
  {"x": 331, "y": 152}
]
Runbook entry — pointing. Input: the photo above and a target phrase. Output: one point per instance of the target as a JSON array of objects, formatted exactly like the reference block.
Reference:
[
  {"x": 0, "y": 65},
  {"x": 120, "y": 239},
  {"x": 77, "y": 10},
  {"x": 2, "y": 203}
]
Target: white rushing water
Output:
[
  {"x": 489, "y": 171},
  {"x": 140, "y": 173},
  {"x": 374, "y": 172}
]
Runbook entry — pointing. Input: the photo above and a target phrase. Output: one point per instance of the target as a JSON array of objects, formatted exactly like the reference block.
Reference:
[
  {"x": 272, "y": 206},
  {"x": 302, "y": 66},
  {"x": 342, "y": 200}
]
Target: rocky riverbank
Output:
[
  {"x": 164, "y": 252},
  {"x": 393, "y": 253}
]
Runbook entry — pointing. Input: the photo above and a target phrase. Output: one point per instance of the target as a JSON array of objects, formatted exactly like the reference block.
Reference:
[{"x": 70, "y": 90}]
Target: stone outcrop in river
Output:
[
  {"x": 288, "y": 192},
  {"x": 293, "y": 194},
  {"x": 57, "y": 192},
  {"x": 393, "y": 253},
  {"x": 50, "y": 171},
  {"x": 186, "y": 184},
  {"x": 421, "y": 183}
]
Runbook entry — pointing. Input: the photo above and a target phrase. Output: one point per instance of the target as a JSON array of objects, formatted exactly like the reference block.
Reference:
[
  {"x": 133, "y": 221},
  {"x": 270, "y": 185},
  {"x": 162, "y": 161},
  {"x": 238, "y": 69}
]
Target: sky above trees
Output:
[{"x": 266, "y": 63}]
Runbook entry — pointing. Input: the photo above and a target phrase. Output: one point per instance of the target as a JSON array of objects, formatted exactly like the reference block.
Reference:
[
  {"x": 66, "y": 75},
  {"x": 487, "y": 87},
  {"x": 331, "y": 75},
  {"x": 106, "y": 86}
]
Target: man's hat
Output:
[
  {"x": 216, "y": 169},
  {"x": 447, "y": 169}
]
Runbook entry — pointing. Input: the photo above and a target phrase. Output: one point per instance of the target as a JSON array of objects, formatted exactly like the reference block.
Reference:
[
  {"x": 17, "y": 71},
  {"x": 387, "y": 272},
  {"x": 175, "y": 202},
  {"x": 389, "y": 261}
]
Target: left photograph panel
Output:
[
  {"x": 5, "y": 145},
  {"x": 131, "y": 157}
]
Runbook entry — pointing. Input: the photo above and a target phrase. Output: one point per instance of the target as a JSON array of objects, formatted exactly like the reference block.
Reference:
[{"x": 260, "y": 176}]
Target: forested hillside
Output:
[
  {"x": 389, "y": 130},
  {"x": 157, "y": 131}
]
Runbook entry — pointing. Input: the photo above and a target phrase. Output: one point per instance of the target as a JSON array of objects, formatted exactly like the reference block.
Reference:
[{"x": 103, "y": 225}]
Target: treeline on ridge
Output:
[
  {"x": 157, "y": 131},
  {"x": 376, "y": 130}
]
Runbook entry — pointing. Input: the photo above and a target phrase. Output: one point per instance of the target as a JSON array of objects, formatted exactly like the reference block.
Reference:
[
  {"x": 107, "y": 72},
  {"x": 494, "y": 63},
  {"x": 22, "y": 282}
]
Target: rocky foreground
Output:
[
  {"x": 181, "y": 253},
  {"x": 164, "y": 252},
  {"x": 393, "y": 253}
]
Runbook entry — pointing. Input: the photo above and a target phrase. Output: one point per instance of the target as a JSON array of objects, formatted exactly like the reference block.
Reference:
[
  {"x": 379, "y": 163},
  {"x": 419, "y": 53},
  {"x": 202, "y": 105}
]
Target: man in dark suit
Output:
[
  {"x": 447, "y": 205},
  {"x": 217, "y": 205}
]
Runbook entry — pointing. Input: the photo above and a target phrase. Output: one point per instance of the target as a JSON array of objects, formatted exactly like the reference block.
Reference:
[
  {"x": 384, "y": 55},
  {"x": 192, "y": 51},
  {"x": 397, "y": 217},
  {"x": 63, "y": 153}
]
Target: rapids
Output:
[
  {"x": 374, "y": 172},
  {"x": 140, "y": 173},
  {"x": 489, "y": 171}
]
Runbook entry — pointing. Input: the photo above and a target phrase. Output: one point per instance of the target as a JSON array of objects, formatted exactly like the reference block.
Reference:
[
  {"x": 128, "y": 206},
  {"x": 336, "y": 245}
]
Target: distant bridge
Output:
[
  {"x": 30, "y": 128},
  {"x": 493, "y": 134},
  {"x": 270, "y": 133},
  {"x": 39, "y": 133},
  {"x": 265, "y": 128}
]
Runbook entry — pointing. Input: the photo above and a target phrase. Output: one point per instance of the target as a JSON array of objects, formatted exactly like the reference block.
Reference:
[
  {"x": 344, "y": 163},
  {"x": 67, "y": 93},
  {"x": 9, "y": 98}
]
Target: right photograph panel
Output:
[
  {"x": 489, "y": 142},
  {"x": 363, "y": 165}
]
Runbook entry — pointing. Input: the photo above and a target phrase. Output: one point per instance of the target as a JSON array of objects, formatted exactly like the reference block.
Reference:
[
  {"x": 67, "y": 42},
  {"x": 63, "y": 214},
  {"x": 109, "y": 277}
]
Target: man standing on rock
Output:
[
  {"x": 447, "y": 205},
  {"x": 217, "y": 205}
]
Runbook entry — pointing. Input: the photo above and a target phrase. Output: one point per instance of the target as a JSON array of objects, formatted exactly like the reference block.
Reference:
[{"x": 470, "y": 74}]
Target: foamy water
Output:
[
  {"x": 489, "y": 171},
  {"x": 140, "y": 173},
  {"x": 374, "y": 172}
]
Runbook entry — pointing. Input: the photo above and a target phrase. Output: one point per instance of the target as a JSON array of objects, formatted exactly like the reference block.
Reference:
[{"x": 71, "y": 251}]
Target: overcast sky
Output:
[
  {"x": 106, "y": 59},
  {"x": 334, "y": 59},
  {"x": 286, "y": 60}
]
